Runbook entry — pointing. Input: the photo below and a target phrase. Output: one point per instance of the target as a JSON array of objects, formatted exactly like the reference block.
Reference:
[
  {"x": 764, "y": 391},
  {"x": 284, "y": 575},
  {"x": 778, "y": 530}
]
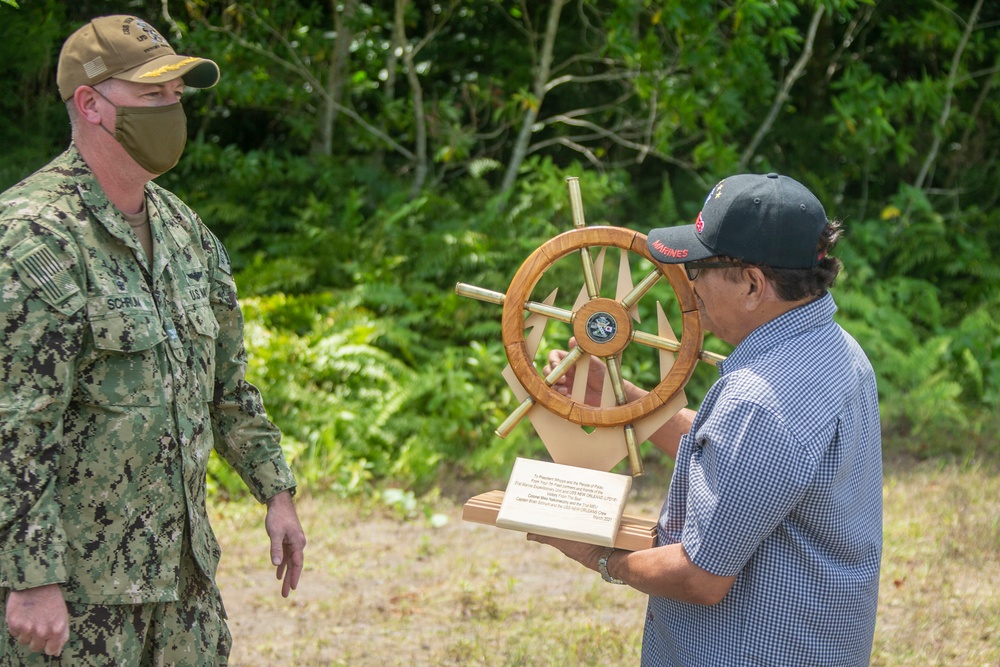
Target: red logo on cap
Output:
[{"x": 699, "y": 224}]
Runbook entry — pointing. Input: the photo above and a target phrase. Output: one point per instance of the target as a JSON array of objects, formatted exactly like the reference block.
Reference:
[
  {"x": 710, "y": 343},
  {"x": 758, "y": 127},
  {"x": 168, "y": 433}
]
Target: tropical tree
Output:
[{"x": 359, "y": 158}]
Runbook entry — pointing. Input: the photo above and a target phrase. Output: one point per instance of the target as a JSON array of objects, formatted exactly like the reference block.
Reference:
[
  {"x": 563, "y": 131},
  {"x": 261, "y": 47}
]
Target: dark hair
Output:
[{"x": 798, "y": 284}]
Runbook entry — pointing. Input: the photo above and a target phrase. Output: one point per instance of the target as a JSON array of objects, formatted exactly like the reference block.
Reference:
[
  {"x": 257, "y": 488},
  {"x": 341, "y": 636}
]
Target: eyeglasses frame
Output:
[{"x": 696, "y": 267}]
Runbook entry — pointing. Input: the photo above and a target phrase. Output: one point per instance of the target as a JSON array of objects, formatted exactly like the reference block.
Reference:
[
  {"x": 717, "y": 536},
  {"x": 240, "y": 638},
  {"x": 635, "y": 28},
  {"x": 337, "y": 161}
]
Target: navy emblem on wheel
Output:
[{"x": 601, "y": 327}]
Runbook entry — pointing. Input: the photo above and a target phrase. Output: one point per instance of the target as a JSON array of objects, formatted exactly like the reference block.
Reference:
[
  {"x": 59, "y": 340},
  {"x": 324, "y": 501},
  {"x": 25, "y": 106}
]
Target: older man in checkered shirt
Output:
[{"x": 770, "y": 540}]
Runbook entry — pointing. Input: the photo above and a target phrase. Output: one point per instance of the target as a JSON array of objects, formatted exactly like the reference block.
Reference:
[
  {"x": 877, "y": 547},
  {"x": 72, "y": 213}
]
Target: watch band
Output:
[{"x": 602, "y": 565}]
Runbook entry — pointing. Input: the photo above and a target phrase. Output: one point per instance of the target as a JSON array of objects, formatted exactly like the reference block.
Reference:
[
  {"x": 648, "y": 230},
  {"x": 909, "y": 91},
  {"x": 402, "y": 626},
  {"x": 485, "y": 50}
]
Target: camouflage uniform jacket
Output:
[{"x": 116, "y": 381}]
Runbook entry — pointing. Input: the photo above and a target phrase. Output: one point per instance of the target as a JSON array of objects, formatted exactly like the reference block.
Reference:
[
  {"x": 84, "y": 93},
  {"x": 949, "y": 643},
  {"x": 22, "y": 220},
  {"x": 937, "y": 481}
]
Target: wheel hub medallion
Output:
[{"x": 601, "y": 327}]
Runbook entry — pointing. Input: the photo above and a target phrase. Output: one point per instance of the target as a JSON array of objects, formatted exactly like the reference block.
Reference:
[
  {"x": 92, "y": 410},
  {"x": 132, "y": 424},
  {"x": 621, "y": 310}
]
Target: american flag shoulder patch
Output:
[{"x": 38, "y": 267}]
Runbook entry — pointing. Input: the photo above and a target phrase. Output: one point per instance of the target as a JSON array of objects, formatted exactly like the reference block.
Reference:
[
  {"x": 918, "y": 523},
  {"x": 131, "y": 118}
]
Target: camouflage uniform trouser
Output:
[{"x": 191, "y": 632}]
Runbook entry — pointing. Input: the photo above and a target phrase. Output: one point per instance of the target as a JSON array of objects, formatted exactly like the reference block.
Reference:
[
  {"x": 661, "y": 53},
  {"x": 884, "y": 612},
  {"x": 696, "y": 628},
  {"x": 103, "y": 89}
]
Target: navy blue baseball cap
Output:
[{"x": 769, "y": 219}]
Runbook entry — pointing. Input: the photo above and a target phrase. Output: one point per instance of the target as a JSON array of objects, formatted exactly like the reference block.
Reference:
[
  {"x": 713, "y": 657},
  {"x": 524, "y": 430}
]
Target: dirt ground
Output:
[{"x": 382, "y": 591}]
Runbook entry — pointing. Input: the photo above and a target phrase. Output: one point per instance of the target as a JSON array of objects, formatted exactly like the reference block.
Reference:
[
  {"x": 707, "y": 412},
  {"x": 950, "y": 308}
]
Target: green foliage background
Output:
[{"x": 361, "y": 158}]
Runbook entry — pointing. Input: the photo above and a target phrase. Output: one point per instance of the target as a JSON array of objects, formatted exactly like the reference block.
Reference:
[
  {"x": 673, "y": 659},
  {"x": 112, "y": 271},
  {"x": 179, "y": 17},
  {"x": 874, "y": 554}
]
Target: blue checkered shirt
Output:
[{"x": 779, "y": 483}]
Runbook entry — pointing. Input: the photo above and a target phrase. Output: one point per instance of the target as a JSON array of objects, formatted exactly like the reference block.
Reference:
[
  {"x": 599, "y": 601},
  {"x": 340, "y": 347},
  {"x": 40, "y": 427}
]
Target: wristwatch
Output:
[{"x": 602, "y": 565}]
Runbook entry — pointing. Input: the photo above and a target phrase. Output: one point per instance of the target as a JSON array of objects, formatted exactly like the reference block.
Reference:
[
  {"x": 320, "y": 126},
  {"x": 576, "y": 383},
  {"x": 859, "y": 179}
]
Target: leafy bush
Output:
[
  {"x": 378, "y": 373},
  {"x": 371, "y": 364},
  {"x": 353, "y": 415},
  {"x": 915, "y": 293}
]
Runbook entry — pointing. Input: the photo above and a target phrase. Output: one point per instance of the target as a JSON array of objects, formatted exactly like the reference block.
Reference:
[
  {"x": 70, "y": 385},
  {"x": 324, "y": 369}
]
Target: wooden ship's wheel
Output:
[{"x": 603, "y": 327}]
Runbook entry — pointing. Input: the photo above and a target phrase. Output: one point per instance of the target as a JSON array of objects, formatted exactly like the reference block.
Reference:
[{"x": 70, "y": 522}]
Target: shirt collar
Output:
[
  {"x": 771, "y": 334},
  {"x": 96, "y": 200}
]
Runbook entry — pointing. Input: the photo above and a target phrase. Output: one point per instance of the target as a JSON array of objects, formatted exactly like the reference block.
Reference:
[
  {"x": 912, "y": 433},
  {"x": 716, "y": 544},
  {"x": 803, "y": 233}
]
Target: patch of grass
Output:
[
  {"x": 483, "y": 601},
  {"x": 384, "y": 591},
  {"x": 942, "y": 442},
  {"x": 940, "y": 590}
]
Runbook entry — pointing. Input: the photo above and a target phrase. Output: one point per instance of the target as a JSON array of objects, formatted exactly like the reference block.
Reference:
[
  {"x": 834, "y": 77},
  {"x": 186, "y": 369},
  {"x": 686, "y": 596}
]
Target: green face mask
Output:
[{"x": 153, "y": 136}]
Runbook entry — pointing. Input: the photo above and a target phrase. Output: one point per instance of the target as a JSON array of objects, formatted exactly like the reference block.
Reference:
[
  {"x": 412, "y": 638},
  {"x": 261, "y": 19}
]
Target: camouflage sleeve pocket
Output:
[
  {"x": 203, "y": 347},
  {"x": 39, "y": 268},
  {"x": 203, "y": 319}
]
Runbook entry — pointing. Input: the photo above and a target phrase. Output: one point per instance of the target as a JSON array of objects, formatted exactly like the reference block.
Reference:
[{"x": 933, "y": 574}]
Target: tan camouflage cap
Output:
[{"x": 127, "y": 48}]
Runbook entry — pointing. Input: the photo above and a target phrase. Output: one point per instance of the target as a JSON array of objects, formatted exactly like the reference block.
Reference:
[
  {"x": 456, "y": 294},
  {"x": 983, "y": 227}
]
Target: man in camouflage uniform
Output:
[{"x": 122, "y": 364}]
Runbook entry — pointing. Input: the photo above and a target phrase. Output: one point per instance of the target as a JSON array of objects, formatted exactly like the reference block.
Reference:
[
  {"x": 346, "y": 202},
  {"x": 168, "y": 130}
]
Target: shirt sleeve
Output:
[
  {"x": 42, "y": 319},
  {"x": 244, "y": 436},
  {"x": 747, "y": 472}
]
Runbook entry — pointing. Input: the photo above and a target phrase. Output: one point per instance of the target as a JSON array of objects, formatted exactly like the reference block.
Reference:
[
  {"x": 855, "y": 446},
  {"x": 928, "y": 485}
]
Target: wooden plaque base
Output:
[{"x": 634, "y": 533}]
